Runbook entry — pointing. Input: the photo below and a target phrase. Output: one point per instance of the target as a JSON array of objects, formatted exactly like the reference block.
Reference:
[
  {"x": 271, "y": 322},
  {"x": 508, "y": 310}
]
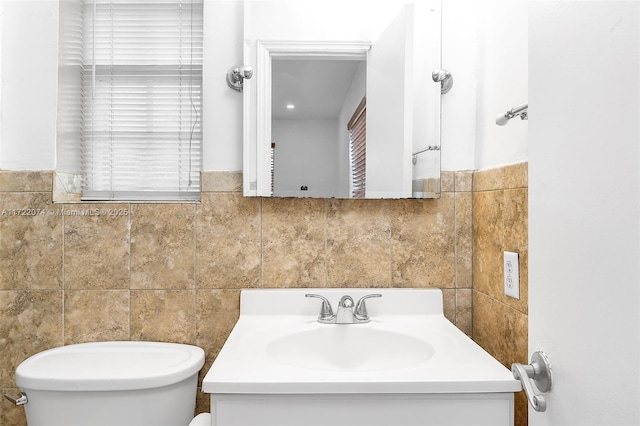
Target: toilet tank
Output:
[{"x": 111, "y": 384}]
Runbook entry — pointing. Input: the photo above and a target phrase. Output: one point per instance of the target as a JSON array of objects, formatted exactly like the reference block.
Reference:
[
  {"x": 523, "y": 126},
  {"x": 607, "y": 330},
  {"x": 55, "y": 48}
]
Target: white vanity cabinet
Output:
[{"x": 407, "y": 366}]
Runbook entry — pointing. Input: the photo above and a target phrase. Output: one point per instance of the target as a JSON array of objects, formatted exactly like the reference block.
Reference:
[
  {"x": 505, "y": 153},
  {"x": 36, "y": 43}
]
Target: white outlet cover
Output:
[{"x": 511, "y": 275}]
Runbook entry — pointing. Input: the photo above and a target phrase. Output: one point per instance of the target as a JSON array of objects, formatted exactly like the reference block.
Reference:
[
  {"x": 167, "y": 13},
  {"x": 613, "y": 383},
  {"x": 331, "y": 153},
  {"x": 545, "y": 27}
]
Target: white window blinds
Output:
[
  {"x": 357, "y": 128},
  {"x": 142, "y": 98}
]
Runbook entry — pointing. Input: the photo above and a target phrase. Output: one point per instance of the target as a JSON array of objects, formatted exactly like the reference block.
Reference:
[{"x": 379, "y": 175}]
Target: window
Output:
[
  {"x": 357, "y": 128},
  {"x": 141, "y": 99}
]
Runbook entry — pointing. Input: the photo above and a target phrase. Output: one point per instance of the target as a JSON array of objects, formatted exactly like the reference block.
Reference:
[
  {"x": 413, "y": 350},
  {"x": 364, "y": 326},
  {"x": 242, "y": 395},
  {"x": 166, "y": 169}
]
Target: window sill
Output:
[{"x": 67, "y": 188}]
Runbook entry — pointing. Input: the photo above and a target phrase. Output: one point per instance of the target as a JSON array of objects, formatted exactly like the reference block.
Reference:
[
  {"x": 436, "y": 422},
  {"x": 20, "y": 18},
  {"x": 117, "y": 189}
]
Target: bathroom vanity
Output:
[{"x": 408, "y": 365}]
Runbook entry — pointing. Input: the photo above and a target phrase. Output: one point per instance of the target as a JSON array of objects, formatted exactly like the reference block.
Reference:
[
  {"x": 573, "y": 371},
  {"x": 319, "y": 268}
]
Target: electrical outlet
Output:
[{"x": 511, "y": 275}]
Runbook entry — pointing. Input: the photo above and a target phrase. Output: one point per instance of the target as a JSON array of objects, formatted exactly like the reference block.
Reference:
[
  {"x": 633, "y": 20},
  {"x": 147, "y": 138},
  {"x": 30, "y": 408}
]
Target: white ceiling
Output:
[{"x": 317, "y": 87}]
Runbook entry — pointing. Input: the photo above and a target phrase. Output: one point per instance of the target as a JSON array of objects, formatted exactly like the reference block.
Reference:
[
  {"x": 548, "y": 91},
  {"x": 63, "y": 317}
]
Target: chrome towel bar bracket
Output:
[
  {"x": 540, "y": 371},
  {"x": 414, "y": 159},
  {"x": 521, "y": 111},
  {"x": 445, "y": 79},
  {"x": 236, "y": 76}
]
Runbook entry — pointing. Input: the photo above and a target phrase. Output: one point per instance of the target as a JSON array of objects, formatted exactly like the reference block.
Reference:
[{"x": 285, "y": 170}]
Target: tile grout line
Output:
[
  {"x": 64, "y": 280},
  {"x": 195, "y": 278},
  {"x": 129, "y": 233},
  {"x": 472, "y": 253},
  {"x": 326, "y": 243},
  {"x": 471, "y": 192},
  {"x": 455, "y": 251},
  {"x": 260, "y": 241},
  {"x": 391, "y": 236}
]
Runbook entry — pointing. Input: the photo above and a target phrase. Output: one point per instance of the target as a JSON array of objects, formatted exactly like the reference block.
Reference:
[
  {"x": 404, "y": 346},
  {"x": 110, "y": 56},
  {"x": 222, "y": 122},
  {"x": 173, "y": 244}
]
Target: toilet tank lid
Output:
[{"x": 109, "y": 366}]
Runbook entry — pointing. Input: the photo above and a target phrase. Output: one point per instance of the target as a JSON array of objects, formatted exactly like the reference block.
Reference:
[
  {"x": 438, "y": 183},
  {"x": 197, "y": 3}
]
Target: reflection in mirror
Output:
[
  {"x": 300, "y": 108},
  {"x": 312, "y": 102}
]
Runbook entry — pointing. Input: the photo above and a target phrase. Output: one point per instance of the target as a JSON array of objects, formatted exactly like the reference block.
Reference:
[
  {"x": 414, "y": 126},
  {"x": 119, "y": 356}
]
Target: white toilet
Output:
[{"x": 112, "y": 384}]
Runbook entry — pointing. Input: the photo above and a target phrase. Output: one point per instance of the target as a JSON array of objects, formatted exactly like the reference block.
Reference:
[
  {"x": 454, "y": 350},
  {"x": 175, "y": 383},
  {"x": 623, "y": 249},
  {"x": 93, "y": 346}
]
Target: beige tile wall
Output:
[
  {"x": 500, "y": 218},
  {"x": 173, "y": 272}
]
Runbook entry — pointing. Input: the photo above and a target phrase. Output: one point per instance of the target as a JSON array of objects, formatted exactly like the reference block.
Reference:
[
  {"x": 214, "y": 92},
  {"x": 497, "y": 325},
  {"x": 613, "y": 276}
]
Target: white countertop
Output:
[{"x": 450, "y": 363}]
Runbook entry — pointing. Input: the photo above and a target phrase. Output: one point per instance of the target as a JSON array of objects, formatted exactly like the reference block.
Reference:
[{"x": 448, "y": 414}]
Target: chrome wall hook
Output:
[
  {"x": 445, "y": 79},
  {"x": 540, "y": 371},
  {"x": 236, "y": 76}
]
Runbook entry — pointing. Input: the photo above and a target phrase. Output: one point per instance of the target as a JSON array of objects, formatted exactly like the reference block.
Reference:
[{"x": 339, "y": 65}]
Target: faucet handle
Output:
[
  {"x": 361, "y": 308},
  {"x": 326, "y": 313}
]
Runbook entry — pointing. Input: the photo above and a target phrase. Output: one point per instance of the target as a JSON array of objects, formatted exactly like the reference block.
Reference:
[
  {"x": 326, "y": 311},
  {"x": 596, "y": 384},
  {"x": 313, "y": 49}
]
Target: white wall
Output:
[
  {"x": 427, "y": 37},
  {"x": 305, "y": 155},
  {"x": 584, "y": 208},
  {"x": 484, "y": 45},
  {"x": 1, "y": 26},
  {"x": 502, "y": 82},
  {"x": 222, "y": 107},
  {"x": 458, "y": 111},
  {"x": 29, "y": 84},
  {"x": 310, "y": 19}
]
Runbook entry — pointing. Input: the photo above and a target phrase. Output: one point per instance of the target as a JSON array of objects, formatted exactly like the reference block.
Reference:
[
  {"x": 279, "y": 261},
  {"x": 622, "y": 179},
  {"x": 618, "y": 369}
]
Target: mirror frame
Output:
[{"x": 255, "y": 184}]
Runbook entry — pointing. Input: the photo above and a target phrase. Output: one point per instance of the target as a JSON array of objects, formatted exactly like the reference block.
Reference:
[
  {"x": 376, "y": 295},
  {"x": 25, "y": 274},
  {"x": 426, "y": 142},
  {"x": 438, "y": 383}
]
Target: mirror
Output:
[
  {"x": 312, "y": 101},
  {"x": 322, "y": 116}
]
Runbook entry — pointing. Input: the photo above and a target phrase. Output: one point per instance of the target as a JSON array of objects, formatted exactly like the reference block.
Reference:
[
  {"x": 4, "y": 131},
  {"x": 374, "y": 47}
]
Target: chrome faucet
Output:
[{"x": 347, "y": 313}]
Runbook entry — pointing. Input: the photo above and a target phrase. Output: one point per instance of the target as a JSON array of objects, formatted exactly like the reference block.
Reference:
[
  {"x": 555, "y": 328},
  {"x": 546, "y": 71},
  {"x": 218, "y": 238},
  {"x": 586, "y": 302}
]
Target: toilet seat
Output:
[{"x": 203, "y": 419}]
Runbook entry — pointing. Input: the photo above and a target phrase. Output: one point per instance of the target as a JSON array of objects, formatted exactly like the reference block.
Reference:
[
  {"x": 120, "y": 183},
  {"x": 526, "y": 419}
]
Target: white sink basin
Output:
[
  {"x": 409, "y": 347},
  {"x": 349, "y": 347}
]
